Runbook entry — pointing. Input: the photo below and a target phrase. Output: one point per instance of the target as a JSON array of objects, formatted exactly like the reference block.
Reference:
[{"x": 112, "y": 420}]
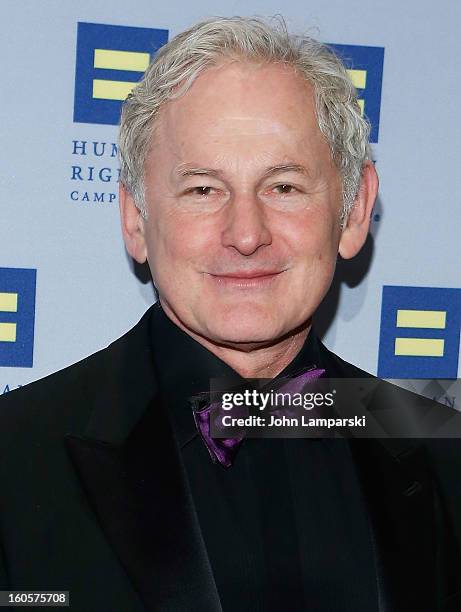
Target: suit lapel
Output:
[{"x": 132, "y": 473}]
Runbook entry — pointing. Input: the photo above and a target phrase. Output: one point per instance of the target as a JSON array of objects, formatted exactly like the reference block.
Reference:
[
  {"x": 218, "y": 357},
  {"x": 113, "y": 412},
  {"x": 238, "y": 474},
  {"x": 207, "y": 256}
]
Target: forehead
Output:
[
  {"x": 245, "y": 91},
  {"x": 240, "y": 109}
]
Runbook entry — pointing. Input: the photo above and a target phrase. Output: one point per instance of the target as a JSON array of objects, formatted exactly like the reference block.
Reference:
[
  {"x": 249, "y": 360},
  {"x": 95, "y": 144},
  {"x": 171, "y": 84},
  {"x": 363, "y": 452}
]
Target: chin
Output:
[{"x": 244, "y": 325}]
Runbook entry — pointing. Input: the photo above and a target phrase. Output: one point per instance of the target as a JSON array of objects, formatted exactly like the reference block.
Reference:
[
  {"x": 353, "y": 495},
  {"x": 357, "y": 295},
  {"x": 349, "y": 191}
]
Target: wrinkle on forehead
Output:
[{"x": 250, "y": 125}]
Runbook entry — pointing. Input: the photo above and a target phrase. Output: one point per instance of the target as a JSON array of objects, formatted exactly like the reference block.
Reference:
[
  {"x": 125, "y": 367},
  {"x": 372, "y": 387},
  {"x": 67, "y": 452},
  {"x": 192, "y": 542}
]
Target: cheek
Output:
[
  {"x": 176, "y": 242},
  {"x": 313, "y": 239}
]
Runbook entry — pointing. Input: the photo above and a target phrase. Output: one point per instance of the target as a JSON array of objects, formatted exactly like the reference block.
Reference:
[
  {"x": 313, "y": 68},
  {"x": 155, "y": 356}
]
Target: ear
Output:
[
  {"x": 357, "y": 224},
  {"x": 132, "y": 226}
]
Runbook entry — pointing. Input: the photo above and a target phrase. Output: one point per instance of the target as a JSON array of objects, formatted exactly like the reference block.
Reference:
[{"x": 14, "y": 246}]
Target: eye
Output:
[
  {"x": 284, "y": 188},
  {"x": 203, "y": 190}
]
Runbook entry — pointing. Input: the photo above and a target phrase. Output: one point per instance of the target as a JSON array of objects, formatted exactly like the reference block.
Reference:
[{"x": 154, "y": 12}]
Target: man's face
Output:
[{"x": 243, "y": 205}]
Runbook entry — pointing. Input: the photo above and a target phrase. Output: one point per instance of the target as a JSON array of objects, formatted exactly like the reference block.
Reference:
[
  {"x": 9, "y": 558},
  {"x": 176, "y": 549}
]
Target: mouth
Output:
[{"x": 255, "y": 279}]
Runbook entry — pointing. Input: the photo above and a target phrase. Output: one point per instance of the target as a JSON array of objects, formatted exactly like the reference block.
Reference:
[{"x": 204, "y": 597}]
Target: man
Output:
[{"x": 245, "y": 170}]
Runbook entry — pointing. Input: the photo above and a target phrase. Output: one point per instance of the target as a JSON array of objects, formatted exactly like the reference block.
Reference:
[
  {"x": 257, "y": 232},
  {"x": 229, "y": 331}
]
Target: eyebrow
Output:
[
  {"x": 286, "y": 168},
  {"x": 185, "y": 171},
  {"x": 188, "y": 171}
]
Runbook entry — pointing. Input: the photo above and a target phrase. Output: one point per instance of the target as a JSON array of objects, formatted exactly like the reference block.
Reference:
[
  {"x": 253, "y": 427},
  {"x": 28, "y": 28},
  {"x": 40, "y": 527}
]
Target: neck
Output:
[{"x": 255, "y": 360}]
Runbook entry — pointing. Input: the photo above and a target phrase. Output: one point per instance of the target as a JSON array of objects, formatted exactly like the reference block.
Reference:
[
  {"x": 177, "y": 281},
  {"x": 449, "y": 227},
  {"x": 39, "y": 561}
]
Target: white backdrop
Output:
[{"x": 86, "y": 291}]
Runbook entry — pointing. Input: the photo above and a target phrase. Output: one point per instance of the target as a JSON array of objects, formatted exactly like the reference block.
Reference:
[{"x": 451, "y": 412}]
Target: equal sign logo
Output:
[
  {"x": 419, "y": 335},
  {"x": 8, "y": 303},
  {"x": 365, "y": 68},
  {"x": 421, "y": 319},
  {"x": 110, "y": 60},
  {"x": 17, "y": 317}
]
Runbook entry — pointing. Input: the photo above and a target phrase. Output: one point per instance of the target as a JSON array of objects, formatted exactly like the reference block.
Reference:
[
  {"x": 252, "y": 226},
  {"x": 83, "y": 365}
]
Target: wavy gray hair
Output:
[{"x": 178, "y": 63}]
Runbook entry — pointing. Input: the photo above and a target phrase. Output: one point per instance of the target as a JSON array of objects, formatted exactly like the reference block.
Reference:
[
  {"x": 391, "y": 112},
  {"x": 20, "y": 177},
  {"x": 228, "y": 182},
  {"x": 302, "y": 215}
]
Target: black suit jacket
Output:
[{"x": 94, "y": 498}]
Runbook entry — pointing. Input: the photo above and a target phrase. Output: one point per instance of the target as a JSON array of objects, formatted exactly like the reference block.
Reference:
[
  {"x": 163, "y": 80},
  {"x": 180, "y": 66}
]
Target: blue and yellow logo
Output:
[
  {"x": 17, "y": 317},
  {"x": 365, "y": 68},
  {"x": 419, "y": 335},
  {"x": 110, "y": 61}
]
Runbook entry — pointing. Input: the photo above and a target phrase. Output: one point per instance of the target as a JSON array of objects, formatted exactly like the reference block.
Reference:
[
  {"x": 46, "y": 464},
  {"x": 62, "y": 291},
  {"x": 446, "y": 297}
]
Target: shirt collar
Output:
[{"x": 185, "y": 367}]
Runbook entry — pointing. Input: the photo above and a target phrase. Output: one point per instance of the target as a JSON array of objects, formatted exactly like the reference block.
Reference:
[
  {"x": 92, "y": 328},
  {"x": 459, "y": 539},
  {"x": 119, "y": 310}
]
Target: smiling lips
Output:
[{"x": 255, "y": 279}]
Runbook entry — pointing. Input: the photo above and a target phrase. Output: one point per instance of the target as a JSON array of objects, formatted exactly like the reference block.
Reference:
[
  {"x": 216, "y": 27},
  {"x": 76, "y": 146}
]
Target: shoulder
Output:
[
  {"x": 54, "y": 399},
  {"x": 420, "y": 421},
  {"x": 380, "y": 394},
  {"x": 338, "y": 367}
]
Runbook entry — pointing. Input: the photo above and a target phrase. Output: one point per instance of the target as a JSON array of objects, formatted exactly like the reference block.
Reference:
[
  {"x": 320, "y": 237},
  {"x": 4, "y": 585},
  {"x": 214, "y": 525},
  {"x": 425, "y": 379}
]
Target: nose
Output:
[{"x": 246, "y": 228}]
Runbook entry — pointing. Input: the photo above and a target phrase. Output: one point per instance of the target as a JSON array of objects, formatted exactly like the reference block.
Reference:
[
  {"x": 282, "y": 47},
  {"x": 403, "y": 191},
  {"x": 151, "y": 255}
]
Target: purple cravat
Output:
[{"x": 223, "y": 450}]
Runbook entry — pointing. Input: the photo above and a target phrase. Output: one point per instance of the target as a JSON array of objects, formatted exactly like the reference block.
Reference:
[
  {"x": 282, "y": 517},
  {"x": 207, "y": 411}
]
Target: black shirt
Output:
[{"x": 285, "y": 526}]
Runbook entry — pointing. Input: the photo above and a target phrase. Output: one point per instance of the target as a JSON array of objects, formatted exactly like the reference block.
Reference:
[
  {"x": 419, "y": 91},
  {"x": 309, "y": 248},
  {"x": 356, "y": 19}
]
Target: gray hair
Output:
[{"x": 177, "y": 64}]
